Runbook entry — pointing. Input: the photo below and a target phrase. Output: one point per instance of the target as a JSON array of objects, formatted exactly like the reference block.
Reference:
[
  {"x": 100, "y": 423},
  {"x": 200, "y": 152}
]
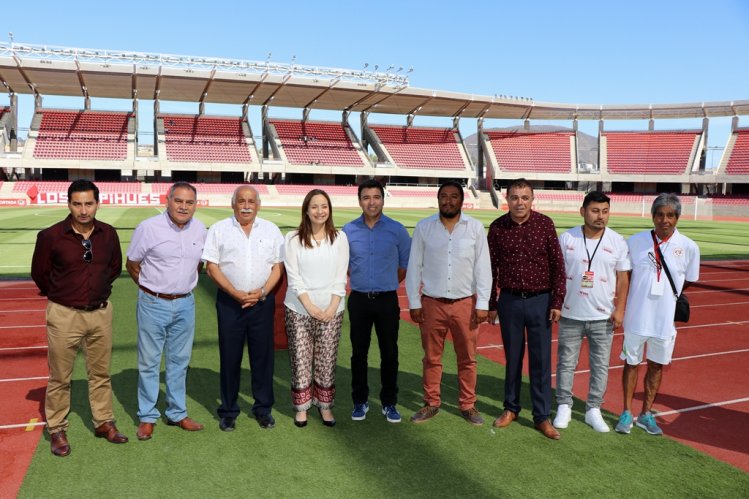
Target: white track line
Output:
[
  {"x": 24, "y": 299},
  {"x": 33, "y": 378},
  {"x": 22, "y": 311},
  {"x": 700, "y": 407},
  {"x": 23, "y": 327},
  {"x": 23, "y": 425},
  {"x": 8, "y": 349},
  {"x": 720, "y": 304}
]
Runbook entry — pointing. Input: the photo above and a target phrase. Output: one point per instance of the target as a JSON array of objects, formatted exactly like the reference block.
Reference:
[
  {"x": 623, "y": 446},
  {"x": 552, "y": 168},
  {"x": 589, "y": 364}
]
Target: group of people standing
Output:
[{"x": 456, "y": 277}]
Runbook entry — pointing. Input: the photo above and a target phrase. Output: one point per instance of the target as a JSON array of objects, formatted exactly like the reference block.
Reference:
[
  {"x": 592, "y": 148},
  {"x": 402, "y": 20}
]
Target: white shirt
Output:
[
  {"x": 653, "y": 315},
  {"x": 449, "y": 265},
  {"x": 319, "y": 271},
  {"x": 612, "y": 256},
  {"x": 245, "y": 260}
]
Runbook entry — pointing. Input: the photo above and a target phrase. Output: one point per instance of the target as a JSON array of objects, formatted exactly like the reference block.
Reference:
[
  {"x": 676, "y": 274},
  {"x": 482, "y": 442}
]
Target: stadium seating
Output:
[
  {"x": 82, "y": 135},
  {"x": 421, "y": 147},
  {"x": 316, "y": 143},
  {"x": 302, "y": 190},
  {"x": 419, "y": 193},
  {"x": 519, "y": 151},
  {"x": 650, "y": 152},
  {"x": 205, "y": 139},
  {"x": 738, "y": 162}
]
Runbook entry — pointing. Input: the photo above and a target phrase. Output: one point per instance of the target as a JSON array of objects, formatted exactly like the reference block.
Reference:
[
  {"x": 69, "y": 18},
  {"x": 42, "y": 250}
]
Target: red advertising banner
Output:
[{"x": 12, "y": 202}]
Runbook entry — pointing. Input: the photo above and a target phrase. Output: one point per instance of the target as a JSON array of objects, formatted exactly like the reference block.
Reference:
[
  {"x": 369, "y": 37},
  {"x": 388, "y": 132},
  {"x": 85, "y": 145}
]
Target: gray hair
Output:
[
  {"x": 666, "y": 199},
  {"x": 239, "y": 188},
  {"x": 181, "y": 185}
]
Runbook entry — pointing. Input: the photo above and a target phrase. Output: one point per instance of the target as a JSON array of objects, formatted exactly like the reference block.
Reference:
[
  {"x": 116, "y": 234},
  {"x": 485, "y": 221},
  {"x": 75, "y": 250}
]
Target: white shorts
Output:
[{"x": 659, "y": 350}]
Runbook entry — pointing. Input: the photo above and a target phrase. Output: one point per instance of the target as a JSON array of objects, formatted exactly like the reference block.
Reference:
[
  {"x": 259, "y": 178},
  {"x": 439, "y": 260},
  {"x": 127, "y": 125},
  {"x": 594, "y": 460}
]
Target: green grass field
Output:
[
  {"x": 19, "y": 226},
  {"x": 445, "y": 457}
]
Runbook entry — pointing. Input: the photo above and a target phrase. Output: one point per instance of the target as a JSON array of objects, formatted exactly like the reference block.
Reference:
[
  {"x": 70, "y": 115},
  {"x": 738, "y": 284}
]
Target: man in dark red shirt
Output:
[
  {"x": 528, "y": 267},
  {"x": 74, "y": 265}
]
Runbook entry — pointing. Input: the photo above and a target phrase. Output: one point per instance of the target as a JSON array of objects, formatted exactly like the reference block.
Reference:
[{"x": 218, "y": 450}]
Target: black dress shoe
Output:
[
  {"x": 300, "y": 424},
  {"x": 266, "y": 421},
  {"x": 227, "y": 423},
  {"x": 326, "y": 422}
]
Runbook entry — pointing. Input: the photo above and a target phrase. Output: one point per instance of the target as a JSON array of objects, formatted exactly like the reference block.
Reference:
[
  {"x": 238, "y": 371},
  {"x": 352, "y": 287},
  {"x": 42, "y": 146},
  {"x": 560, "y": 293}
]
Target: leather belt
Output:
[
  {"x": 449, "y": 301},
  {"x": 163, "y": 296},
  {"x": 524, "y": 294},
  {"x": 91, "y": 308},
  {"x": 372, "y": 294}
]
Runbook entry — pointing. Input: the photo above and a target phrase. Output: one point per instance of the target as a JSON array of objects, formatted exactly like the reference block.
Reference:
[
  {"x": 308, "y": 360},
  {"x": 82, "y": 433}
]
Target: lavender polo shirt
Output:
[{"x": 168, "y": 255}]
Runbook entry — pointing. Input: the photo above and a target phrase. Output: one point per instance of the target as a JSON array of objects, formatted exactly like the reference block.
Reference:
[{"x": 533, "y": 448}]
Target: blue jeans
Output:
[
  {"x": 600, "y": 334},
  {"x": 164, "y": 326}
]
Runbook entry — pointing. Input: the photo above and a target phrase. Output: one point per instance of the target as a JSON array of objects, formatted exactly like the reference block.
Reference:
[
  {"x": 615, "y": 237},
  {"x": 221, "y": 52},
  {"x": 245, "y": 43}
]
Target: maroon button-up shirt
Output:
[
  {"x": 60, "y": 272},
  {"x": 526, "y": 257}
]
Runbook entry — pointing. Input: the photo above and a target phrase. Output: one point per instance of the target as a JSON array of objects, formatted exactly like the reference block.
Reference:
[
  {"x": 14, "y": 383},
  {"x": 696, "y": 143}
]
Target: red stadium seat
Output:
[
  {"x": 316, "y": 143},
  {"x": 650, "y": 152},
  {"x": 422, "y": 147},
  {"x": 519, "y": 151},
  {"x": 82, "y": 135},
  {"x": 205, "y": 139},
  {"x": 738, "y": 162}
]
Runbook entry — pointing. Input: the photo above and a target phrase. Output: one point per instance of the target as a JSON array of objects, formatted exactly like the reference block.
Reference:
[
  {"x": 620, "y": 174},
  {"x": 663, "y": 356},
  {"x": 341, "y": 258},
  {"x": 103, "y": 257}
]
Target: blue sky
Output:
[{"x": 587, "y": 52}]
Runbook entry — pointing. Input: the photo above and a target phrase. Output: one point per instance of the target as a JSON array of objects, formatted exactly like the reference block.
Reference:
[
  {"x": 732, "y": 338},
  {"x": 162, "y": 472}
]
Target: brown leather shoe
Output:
[
  {"x": 59, "y": 443},
  {"x": 109, "y": 431},
  {"x": 186, "y": 424},
  {"x": 145, "y": 430},
  {"x": 548, "y": 429},
  {"x": 505, "y": 419}
]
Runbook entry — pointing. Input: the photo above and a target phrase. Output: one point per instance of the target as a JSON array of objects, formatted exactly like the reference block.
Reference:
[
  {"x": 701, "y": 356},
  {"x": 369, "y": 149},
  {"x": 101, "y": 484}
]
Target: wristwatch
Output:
[{"x": 263, "y": 293}]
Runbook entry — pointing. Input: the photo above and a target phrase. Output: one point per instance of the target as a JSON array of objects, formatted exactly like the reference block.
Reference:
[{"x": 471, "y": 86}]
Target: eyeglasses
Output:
[{"x": 87, "y": 253}]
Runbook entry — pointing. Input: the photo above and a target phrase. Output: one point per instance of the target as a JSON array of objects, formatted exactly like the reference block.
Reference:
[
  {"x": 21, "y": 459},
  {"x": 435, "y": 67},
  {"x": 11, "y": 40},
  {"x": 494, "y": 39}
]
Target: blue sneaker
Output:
[
  {"x": 360, "y": 412},
  {"x": 625, "y": 423},
  {"x": 647, "y": 422},
  {"x": 391, "y": 414}
]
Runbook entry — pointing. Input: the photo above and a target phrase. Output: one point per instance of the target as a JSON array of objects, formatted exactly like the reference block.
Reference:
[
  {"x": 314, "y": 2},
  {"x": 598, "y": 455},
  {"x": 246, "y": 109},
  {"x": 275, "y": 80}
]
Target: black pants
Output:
[
  {"x": 382, "y": 311},
  {"x": 519, "y": 317},
  {"x": 253, "y": 326}
]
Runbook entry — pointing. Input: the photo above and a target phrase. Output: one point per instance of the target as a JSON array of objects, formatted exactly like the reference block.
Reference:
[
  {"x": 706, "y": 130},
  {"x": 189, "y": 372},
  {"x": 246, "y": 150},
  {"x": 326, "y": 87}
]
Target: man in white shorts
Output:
[
  {"x": 649, "y": 319},
  {"x": 596, "y": 262}
]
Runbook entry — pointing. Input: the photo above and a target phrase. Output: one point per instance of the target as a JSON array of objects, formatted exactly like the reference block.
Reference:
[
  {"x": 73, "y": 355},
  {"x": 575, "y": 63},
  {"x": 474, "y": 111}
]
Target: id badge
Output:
[
  {"x": 587, "y": 281},
  {"x": 656, "y": 287}
]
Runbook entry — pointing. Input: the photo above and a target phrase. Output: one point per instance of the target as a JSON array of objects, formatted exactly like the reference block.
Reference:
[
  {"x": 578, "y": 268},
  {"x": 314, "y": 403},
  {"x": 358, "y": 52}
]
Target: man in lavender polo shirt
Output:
[{"x": 164, "y": 260}]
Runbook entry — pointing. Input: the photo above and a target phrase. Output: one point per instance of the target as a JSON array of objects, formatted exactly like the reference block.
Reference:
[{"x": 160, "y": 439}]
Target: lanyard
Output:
[
  {"x": 657, "y": 255},
  {"x": 585, "y": 245}
]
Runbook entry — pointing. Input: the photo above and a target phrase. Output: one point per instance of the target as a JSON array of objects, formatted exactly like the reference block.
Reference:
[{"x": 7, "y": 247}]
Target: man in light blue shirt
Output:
[{"x": 379, "y": 248}]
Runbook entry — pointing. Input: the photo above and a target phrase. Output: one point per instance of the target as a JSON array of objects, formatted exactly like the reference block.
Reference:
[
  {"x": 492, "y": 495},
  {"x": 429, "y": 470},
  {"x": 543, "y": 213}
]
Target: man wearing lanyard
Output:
[
  {"x": 596, "y": 261},
  {"x": 74, "y": 265},
  {"x": 164, "y": 260},
  {"x": 649, "y": 319},
  {"x": 378, "y": 257},
  {"x": 528, "y": 266},
  {"x": 447, "y": 283}
]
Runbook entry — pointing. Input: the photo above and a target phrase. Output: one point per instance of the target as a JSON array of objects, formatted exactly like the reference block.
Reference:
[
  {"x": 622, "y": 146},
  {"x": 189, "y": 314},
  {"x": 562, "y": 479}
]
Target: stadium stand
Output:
[
  {"x": 423, "y": 192},
  {"x": 82, "y": 135},
  {"x": 163, "y": 187},
  {"x": 125, "y": 187},
  {"x": 652, "y": 152},
  {"x": 422, "y": 147},
  {"x": 738, "y": 161},
  {"x": 520, "y": 151},
  {"x": 316, "y": 143},
  {"x": 301, "y": 190},
  {"x": 205, "y": 139}
]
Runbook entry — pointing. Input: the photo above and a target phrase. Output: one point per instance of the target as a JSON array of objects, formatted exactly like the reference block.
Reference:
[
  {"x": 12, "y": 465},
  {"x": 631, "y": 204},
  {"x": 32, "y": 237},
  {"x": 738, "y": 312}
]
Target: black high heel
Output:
[
  {"x": 299, "y": 424},
  {"x": 326, "y": 422}
]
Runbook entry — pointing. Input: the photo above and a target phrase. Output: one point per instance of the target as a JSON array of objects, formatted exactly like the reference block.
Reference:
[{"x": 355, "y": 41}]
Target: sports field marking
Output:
[
  {"x": 720, "y": 304},
  {"x": 9, "y": 349},
  {"x": 27, "y": 311},
  {"x": 695, "y": 292},
  {"x": 25, "y": 327},
  {"x": 700, "y": 407},
  {"x": 24, "y": 299},
  {"x": 710, "y": 281},
  {"x": 32, "y": 378},
  {"x": 31, "y": 424},
  {"x": 688, "y": 357}
]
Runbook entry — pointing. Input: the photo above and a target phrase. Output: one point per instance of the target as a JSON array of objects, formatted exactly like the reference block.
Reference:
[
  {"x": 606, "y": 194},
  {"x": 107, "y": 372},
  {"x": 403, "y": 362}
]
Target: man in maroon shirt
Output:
[
  {"x": 528, "y": 267},
  {"x": 74, "y": 265}
]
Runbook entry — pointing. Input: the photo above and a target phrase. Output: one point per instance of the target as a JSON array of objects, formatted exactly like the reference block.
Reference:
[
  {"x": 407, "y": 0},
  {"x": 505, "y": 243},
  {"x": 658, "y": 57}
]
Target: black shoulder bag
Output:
[{"x": 682, "y": 303}]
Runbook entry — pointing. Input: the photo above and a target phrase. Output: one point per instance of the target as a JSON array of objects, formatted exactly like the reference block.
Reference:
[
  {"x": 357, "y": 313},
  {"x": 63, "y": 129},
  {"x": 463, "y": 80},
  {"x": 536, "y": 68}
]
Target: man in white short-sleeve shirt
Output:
[
  {"x": 244, "y": 257},
  {"x": 651, "y": 303},
  {"x": 596, "y": 261}
]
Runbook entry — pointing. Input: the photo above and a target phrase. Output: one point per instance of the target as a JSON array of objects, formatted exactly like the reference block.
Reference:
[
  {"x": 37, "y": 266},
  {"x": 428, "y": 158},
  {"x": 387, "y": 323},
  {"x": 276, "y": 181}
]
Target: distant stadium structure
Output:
[{"x": 65, "y": 144}]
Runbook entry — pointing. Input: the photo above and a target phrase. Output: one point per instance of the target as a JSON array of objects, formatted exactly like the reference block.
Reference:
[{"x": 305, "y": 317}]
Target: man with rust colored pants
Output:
[{"x": 74, "y": 265}]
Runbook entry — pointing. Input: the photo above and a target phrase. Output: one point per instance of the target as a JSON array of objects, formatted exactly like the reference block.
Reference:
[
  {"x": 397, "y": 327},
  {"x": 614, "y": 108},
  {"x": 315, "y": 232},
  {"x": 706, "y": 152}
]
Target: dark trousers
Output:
[
  {"x": 253, "y": 326},
  {"x": 382, "y": 311},
  {"x": 518, "y": 316}
]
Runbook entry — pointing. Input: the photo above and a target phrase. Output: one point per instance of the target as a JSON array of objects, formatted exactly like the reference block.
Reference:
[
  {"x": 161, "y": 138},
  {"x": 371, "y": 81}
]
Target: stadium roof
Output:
[{"x": 45, "y": 70}]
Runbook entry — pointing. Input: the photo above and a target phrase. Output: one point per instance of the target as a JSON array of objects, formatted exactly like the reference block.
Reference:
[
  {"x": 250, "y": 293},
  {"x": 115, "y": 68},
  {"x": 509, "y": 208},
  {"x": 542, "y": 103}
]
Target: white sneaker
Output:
[
  {"x": 593, "y": 418},
  {"x": 564, "y": 416}
]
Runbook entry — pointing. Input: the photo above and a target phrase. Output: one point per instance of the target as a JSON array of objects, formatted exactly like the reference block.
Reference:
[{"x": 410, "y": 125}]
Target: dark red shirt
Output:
[
  {"x": 527, "y": 257},
  {"x": 60, "y": 272}
]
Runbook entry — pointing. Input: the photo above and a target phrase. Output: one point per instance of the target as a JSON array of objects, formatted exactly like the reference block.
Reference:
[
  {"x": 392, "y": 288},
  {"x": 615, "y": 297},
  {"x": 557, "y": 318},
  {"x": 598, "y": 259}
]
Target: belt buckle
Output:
[{"x": 372, "y": 294}]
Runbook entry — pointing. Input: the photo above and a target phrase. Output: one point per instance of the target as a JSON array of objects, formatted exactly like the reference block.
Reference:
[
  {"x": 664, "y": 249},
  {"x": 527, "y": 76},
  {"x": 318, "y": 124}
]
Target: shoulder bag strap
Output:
[{"x": 663, "y": 264}]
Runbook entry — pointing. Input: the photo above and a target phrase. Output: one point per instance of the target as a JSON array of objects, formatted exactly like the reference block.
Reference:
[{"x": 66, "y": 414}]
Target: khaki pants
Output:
[{"x": 69, "y": 330}]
